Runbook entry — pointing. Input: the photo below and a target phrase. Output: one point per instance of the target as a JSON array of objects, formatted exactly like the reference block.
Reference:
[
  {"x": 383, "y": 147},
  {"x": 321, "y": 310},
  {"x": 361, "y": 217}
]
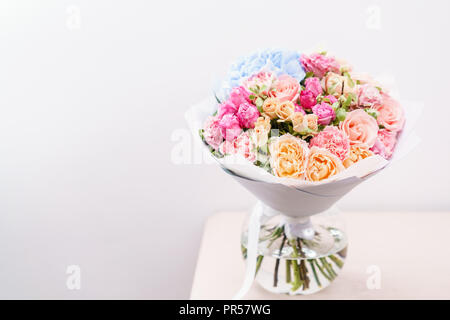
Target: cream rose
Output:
[
  {"x": 304, "y": 124},
  {"x": 298, "y": 122},
  {"x": 333, "y": 84},
  {"x": 270, "y": 106},
  {"x": 262, "y": 129},
  {"x": 288, "y": 156},
  {"x": 337, "y": 85},
  {"x": 356, "y": 153},
  {"x": 322, "y": 165},
  {"x": 311, "y": 120},
  {"x": 285, "y": 110},
  {"x": 360, "y": 128}
]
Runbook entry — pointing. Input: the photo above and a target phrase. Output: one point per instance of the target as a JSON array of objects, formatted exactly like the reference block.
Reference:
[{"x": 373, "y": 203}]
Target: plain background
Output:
[{"x": 92, "y": 91}]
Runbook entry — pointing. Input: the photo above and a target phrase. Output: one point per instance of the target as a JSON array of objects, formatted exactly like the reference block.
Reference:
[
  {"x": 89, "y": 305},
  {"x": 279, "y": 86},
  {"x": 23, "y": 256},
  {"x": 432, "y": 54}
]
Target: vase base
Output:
[{"x": 298, "y": 266}]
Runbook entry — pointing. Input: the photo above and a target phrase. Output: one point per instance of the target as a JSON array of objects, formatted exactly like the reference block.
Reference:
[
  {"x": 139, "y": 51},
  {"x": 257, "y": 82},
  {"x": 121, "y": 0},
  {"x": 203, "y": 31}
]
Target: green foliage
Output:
[
  {"x": 371, "y": 112},
  {"x": 350, "y": 81},
  {"x": 347, "y": 101},
  {"x": 308, "y": 75},
  {"x": 217, "y": 98}
]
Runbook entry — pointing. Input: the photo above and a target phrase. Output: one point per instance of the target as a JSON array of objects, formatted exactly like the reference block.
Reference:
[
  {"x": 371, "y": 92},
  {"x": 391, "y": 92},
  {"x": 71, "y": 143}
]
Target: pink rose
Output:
[
  {"x": 324, "y": 113},
  {"x": 379, "y": 148},
  {"x": 368, "y": 96},
  {"x": 319, "y": 64},
  {"x": 390, "y": 114},
  {"x": 229, "y": 126},
  {"x": 389, "y": 140},
  {"x": 244, "y": 146},
  {"x": 262, "y": 79},
  {"x": 239, "y": 95},
  {"x": 307, "y": 99},
  {"x": 226, "y": 108},
  {"x": 247, "y": 115},
  {"x": 334, "y": 140},
  {"x": 330, "y": 99},
  {"x": 313, "y": 85},
  {"x": 212, "y": 132},
  {"x": 360, "y": 128},
  {"x": 287, "y": 89}
]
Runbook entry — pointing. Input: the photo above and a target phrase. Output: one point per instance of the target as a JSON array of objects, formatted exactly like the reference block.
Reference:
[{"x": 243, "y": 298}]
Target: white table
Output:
[{"x": 411, "y": 250}]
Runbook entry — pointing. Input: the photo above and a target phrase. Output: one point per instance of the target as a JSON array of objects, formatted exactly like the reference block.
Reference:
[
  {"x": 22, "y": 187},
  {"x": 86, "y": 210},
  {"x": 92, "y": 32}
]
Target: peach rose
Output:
[
  {"x": 285, "y": 110},
  {"x": 304, "y": 123},
  {"x": 262, "y": 129},
  {"x": 390, "y": 114},
  {"x": 322, "y": 165},
  {"x": 311, "y": 120},
  {"x": 333, "y": 83},
  {"x": 356, "y": 153},
  {"x": 360, "y": 128},
  {"x": 298, "y": 121},
  {"x": 288, "y": 156},
  {"x": 287, "y": 88},
  {"x": 337, "y": 85},
  {"x": 270, "y": 106}
]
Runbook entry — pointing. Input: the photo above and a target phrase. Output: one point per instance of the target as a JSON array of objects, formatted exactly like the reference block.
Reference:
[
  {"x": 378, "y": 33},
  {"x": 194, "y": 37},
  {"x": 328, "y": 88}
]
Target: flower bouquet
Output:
[{"x": 299, "y": 132}]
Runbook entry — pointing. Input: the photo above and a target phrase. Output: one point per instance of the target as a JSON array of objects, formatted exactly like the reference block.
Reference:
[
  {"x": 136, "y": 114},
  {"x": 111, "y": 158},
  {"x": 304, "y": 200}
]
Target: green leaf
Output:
[
  {"x": 200, "y": 133},
  {"x": 351, "y": 83},
  {"x": 347, "y": 103},
  {"x": 259, "y": 102},
  {"x": 253, "y": 90},
  {"x": 218, "y": 100},
  {"x": 308, "y": 75},
  {"x": 341, "y": 114},
  {"x": 335, "y": 105},
  {"x": 371, "y": 112}
]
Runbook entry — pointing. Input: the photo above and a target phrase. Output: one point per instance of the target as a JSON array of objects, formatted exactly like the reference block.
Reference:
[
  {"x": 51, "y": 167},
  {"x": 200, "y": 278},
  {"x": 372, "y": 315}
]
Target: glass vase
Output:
[{"x": 299, "y": 265}]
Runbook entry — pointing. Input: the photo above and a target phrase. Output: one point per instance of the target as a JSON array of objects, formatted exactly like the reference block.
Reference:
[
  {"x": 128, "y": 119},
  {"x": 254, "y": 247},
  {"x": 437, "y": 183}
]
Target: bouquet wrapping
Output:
[{"x": 299, "y": 132}]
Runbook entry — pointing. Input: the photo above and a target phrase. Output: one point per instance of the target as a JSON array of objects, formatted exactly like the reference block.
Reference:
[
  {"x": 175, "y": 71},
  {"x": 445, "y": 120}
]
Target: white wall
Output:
[{"x": 87, "y": 109}]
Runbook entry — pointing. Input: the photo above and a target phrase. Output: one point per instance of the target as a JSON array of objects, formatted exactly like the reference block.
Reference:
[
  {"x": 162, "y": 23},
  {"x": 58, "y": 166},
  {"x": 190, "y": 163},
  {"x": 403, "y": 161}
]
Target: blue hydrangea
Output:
[{"x": 277, "y": 61}]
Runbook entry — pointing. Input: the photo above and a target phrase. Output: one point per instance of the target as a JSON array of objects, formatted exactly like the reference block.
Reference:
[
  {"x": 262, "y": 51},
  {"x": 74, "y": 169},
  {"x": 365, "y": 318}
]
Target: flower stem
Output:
[
  {"x": 328, "y": 267},
  {"x": 244, "y": 251},
  {"x": 297, "y": 283},
  {"x": 321, "y": 270},
  {"x": 311, "y": 263},
  {"x": 288, "y": 271},
  {"x": 303, "y": 269},
  {"x": 337, "y": 261},
  {"x": 277, "y": 263},
  {"x": 258, "y": 264}
]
